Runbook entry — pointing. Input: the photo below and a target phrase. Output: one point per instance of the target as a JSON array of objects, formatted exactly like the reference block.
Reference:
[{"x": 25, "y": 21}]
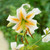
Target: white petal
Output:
[
  {"x": 13, "y": 44},
  {"x": 43, "y": 36},
  {"x": 26, "y": 5},
  {"x": 19, "y": 46},
  {"x": 32, "y": 29},
  {"x": 23, "y": 11},
  {"x": 35, "y": 11},
  {"x": 19, "y": 31},
  {"x": 44, "y": 31},
  {"x": 16, "y": 27},
  {"x": 33, "y": 21},
  {"x": 47, "y": 29},
  {"x": 10, "y": 19},
  {"x": 46, "y": 38}
]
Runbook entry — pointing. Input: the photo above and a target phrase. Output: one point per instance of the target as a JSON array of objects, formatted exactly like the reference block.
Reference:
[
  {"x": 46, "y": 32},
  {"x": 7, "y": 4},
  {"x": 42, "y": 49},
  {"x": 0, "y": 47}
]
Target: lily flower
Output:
[
  {"x": 15, "y": 47},
  {"x": 24, "y": 19},
  {"x": 46, "y": 31},
  {"x": 46, "y": 38}
]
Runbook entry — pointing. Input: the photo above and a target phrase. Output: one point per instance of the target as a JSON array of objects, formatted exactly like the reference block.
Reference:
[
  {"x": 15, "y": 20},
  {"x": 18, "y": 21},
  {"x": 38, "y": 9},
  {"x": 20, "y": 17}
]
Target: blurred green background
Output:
[{"x": 9, "y": 7}]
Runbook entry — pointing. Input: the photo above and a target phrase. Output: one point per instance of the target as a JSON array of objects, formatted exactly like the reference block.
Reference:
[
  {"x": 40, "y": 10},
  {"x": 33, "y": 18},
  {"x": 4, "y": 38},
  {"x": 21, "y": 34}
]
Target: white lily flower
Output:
[
  {"x": 46, "y": 31},
  {"x": 22, "y": 16},
  {"x": 46, "y": 38},
  {"x": 15, "y": 47}
]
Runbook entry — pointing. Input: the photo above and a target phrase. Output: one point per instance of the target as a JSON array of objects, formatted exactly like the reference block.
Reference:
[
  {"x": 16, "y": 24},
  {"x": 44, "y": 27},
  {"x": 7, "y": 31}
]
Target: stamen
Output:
[
  {"x": 22, "y": 39},
  {"x": 29, "y": 32},
  {"x": 26, "y": 41},
  {"x": 16, "y": 37},
  {"x": 26, "y": 32}
]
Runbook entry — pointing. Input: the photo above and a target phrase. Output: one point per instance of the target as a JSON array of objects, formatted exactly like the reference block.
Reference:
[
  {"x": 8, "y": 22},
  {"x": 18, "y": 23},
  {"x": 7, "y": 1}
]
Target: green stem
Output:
[
  {"x": 24, "y": 41},
  {"x": 24, "y": 30}
]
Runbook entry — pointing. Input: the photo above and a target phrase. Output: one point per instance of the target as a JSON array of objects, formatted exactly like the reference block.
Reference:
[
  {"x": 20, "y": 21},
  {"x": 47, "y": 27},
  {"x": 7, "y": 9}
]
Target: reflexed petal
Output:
[
  {"x": 21, "y": 13},
  {"x": 26, "y": 5},
  {"x": 23, "y": 10},
  {"x": 19, "y": 46},
  {"x": 13, "y": 44},
  {"x": 32, "y": 13},
  {"x": 12, "y": 19},
  {"x": 36, "y": 11}
]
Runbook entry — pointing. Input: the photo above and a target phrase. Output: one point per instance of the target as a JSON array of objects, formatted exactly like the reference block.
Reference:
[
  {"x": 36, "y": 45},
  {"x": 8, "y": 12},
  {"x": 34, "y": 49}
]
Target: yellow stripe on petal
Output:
[
  {"x": 19, "y": 26},
  {"x": 15, "y": 19},
  {"x": 29, "y": 23},
  {"x": 21, "y": 15},
  {"x": 29, "y": 15}
]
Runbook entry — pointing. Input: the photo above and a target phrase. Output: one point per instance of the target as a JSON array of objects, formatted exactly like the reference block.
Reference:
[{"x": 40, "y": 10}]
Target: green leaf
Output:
[{"x": 33, "y": 47}]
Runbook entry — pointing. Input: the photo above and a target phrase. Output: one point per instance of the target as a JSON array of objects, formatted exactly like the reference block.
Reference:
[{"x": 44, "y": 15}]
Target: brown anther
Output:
[
  {"x": 26, "y": 41},
  {"x": 26, "y": 32},
  {"x": 16, "y": 37},
  {"x": 31, "y": 35},
  {"x": 22, "y": 39},
  {"x": 29, "y": 32}
]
